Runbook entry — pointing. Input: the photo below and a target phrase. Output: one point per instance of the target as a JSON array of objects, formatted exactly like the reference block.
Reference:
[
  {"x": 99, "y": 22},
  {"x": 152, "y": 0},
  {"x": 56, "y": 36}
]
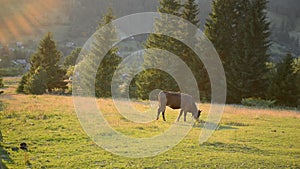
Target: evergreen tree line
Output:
[
  {"x": 238, "y": 29},
  {"x": 240, "y": 33},
  {"x": 152, "y": 79}
]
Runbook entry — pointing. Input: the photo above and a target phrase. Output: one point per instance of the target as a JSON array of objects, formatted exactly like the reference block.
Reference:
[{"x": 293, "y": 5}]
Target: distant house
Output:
[
  {"x": 20, "y": 45},
  {"x": 70, "y": 45},
  {"x": 21, "y": 61}
]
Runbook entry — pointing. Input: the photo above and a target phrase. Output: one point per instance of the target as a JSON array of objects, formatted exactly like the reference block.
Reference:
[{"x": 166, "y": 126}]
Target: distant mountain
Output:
[{"x": 74, "y": 21}]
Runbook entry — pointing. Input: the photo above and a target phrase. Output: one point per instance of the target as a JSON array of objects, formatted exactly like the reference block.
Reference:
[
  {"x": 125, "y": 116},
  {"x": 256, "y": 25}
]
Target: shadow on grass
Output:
[
  {"x": 3, "y": 153},
  {"x": 209, "y": 125},
  {"x": 4, "y": 156},
  {"x": 232, "y": 147}
]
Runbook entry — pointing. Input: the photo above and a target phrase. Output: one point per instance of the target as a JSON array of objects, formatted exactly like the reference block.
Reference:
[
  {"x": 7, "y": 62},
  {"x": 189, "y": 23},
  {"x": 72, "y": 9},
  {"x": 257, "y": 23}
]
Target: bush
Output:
[
  {"x": 22, "y": 83},
  {"x": 36, "y": 83},
  {"x": 257, "y": 102}
]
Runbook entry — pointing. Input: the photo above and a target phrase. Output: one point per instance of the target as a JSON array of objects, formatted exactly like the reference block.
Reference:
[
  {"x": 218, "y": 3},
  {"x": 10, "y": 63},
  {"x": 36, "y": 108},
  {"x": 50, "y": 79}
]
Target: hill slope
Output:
[{"x": 256, "y": 138}]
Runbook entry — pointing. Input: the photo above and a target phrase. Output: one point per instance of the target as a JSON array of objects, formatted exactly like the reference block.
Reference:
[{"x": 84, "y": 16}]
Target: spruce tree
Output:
[
  {"x": 240, "y": 32},
  {"x": 84, "y": 75},
  {"x": 70, "y": 60},
  {"x": 219, "y": 27},
  {"x": 96, "y": 67},
  {"x": 46, "y": 58},
  {"x": 151, "y": 79},
  {"x": 258, "y": 43},
  {"x": 190, "y": 13},
  {"x": 247, "y": 66},
  {"x": 111, "y": 60},
  {"x": 283, "y": 87}
]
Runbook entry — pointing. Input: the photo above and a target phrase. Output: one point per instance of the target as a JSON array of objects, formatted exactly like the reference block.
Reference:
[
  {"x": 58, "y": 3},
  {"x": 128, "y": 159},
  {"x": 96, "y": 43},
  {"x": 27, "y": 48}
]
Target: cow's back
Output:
[{"x": 173, "y": 100}]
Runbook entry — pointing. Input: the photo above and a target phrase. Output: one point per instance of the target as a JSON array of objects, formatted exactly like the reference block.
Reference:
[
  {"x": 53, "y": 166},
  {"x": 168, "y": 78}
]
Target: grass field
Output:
[{"x": 246, "y": 137}]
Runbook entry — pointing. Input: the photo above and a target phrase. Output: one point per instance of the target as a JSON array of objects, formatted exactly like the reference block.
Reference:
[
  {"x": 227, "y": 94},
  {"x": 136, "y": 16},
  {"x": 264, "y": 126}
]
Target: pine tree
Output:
[
  {"x": 70, "y": 60},
  {"x": 247, "y": 66},
  {"x": 240, "y": 32},
  {"x": 85, "y": 72},
  {"x": 221, "y": 30},
  {"x": 190, "y": 13},
  {"x": 96, "y": 67},
  {"x": 169, "y": 7},
  {"x": 259, "y": 46},
  {"x": 37, "y": 82},
  {"x": 111, "y": 60},
  {"x": 151, "y": 79},
  {"x": 282, "y": 87},
  {"x": 219, "y": 27},
  {"x": 46, "y": 58}
]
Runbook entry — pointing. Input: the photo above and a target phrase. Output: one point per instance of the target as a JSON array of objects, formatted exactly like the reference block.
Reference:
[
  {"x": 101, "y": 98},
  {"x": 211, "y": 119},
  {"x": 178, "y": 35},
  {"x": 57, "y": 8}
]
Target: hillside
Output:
[
  {"x": 245, "y": 138},
  {"x": 75, "y": 20}
]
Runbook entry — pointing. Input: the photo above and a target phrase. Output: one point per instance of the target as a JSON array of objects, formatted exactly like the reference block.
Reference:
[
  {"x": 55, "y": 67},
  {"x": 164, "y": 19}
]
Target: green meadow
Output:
[{"x": 245, "y": 138}]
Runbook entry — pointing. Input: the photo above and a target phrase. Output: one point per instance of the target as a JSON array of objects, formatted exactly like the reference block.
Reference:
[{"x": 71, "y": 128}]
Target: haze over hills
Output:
[{"x": 75, "y": 20}]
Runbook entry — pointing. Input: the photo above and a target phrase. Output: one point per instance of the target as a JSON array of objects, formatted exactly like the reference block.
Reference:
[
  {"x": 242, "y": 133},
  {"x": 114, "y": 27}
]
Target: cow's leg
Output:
[
  {"x": 160, "y": 109},
  {"x": 185, "y": 112},
  {"x": 163, "y": 114},
  {"x": 162, "y": 99},
  {"x": 178, "y": 118},
  {"x": 158, "y": 113}
]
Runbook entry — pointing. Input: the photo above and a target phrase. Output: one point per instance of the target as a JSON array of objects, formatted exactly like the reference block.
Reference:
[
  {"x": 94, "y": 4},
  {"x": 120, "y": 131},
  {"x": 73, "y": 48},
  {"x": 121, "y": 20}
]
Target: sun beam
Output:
[{"x": 21, "y": 18}]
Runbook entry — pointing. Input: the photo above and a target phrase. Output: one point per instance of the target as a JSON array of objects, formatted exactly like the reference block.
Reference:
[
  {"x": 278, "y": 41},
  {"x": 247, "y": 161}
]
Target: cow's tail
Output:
[{"x": 162, "y": 97}]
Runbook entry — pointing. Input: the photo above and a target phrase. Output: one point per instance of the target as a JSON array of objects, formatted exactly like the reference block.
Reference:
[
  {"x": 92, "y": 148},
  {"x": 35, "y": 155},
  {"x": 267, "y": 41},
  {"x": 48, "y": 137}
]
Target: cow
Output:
[{"x": 181, "y": 101}]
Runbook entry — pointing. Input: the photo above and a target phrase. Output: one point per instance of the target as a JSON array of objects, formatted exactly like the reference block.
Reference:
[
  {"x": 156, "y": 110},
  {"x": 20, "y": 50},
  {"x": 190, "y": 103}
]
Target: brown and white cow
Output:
[{"x": 181, "y": 101}]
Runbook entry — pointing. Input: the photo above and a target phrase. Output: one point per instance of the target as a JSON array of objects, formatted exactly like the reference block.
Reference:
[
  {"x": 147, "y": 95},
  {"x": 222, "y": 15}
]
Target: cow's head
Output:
[{"x": 197, "y": 115}]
